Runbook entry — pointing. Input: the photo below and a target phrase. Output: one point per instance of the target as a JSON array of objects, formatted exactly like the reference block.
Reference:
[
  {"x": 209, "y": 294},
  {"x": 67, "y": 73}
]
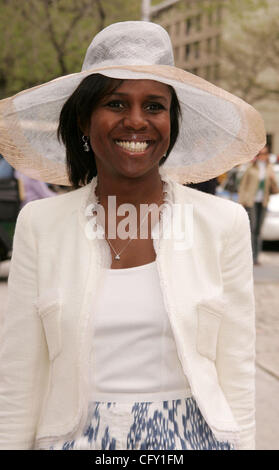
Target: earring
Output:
[{"x": 85, "y": 140}]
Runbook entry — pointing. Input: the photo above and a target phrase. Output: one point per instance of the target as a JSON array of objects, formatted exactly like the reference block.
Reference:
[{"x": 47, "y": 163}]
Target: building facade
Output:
[
  {"x": 196, "y": 37},
  {"x": 196, "y": 33}
]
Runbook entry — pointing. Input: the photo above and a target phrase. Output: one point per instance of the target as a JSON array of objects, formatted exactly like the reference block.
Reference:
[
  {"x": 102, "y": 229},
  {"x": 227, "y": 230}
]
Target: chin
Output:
[{"x": 133, "y": 174}]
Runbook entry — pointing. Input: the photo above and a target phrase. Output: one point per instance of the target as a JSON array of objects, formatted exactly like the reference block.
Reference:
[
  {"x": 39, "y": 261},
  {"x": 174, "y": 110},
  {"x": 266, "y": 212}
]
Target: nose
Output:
[{"x": 135, "y": 119}]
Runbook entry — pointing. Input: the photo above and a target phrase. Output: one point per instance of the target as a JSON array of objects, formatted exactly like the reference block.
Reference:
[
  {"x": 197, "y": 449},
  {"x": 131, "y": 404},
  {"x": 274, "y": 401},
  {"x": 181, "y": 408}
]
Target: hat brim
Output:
[{"x": 218, "y": 130}]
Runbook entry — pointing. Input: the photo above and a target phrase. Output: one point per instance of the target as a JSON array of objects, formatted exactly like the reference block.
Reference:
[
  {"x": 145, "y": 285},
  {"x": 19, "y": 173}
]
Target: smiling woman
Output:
[
  {"x": 129, "y": 342},
  {"x": 130, "y": 136},
  {"x": 101, "y": 97},
  {"x": 131, "y": 126}
]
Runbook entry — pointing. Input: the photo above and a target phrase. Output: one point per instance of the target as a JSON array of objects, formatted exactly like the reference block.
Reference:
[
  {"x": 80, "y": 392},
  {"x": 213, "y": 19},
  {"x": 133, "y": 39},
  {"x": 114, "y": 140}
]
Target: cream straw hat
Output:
[{"x": 217, "y": 131}]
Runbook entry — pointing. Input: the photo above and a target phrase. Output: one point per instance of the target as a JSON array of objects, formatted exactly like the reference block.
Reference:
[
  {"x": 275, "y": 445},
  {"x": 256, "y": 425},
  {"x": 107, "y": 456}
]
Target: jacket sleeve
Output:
[
  {"x": 22, "y": 348},
  {"x": 242, "y": 188},
  {"x": 236, "y": 344}
]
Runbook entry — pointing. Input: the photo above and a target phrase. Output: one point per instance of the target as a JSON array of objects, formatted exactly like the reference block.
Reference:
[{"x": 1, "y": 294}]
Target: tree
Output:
[
  {"x": 48, "y": 38},
  {"x": 249, "y": 47},
  {"x": 236, "y": 7},
  {"x": 44, "y": 39},
  {"x": 250, "y": 59}
]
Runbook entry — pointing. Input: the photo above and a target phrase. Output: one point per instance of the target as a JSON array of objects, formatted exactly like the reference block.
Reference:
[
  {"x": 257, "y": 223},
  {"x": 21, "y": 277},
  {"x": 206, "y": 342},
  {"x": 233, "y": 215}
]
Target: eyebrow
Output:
[{"x": 150, "y": 97}]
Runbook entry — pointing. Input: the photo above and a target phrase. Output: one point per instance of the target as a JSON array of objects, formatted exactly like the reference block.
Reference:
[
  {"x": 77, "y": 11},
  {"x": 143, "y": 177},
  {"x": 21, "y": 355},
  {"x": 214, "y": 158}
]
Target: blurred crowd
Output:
[
  {"x": 16, "y": 190},
  {"x": 250, "y": 185}
]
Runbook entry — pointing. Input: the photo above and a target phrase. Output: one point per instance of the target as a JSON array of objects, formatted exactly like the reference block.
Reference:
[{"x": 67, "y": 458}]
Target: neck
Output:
[{"x": 146, "y": 189}]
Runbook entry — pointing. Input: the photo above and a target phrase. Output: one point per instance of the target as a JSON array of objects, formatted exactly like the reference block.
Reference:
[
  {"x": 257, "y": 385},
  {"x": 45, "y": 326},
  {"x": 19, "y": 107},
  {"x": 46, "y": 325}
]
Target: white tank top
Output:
[{"x": 134, "y": 356}]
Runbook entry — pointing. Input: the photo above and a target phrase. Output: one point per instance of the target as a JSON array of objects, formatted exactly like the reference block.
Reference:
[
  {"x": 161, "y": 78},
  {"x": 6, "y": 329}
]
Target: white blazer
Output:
[{"x": 55, "y": 275}]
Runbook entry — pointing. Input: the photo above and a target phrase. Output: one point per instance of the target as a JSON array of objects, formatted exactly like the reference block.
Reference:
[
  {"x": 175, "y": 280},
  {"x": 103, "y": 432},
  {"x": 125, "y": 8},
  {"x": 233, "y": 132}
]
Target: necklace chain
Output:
[{"x": 117, "y": 255}]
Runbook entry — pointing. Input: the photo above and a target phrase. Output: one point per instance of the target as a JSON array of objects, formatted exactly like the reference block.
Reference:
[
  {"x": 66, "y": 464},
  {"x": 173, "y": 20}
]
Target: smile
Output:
[{"x": 133, "y": 146}]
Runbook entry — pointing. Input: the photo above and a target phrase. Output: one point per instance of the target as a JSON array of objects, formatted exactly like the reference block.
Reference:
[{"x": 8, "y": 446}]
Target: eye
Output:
[
  {"x": 115, "y": 104},
  {"x": 155, "y": 107}
]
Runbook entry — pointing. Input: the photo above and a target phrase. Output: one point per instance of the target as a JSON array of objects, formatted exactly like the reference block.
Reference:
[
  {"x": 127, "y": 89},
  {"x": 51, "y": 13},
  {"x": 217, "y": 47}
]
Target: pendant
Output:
[{"x": 117, "y": 257}]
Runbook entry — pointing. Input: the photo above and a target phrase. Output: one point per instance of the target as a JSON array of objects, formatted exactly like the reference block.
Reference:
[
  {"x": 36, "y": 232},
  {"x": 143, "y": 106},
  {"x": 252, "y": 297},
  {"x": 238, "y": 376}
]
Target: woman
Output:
[
  {"x": 256, "y": 185},
  {"x": 145, "y": 342}
]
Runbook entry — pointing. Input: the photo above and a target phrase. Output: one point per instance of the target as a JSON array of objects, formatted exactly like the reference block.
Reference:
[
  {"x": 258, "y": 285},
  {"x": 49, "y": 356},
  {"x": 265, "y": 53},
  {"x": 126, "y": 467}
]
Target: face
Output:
[
  {"x": 130, "y": 128},
  {"x": 263, "y": 154}
]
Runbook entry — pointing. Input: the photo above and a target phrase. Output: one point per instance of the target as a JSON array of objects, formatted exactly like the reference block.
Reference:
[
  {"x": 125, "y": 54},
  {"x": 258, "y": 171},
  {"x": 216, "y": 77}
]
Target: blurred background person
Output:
[
  {"x": 32, "y": 189},
  {"x": 272, "y": 157},
  {"x": 9, "y": 207},
  {"x": 255, "y": 188},
  {"x": 231, "y": 182},
  {"x": 16, "y": 190},
  {"x": 6, "y": 170},
  {"x": 208, "y": 186},
  {"x": 5, "y": 245}
]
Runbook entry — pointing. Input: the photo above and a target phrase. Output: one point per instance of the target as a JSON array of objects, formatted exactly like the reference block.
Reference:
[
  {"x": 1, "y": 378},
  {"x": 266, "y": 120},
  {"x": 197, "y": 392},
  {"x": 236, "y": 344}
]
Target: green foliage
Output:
[
  {"x": 250, "y": 54},
  {"x": 44, "y": 39},
  {"x": 238, "y": 7}
]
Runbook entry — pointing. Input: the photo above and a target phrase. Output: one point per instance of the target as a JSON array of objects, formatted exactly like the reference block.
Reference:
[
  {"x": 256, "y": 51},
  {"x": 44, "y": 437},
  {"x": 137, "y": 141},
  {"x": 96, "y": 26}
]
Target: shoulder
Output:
[
  {"x": 69, "y": 199},
  {"x": 212, "y": 212},
  {"x": 49, "y": 212},
  {"x": 203, "y": 201}
]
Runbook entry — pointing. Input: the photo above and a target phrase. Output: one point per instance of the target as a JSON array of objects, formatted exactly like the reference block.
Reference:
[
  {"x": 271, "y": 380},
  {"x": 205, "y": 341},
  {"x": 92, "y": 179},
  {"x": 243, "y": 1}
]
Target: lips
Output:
[{"x": 134, "y": 146}]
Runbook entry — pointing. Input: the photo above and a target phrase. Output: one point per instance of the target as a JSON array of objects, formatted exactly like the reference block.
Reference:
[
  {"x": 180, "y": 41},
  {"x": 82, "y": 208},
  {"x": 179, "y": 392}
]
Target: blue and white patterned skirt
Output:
[{"x": 166, "y": 425}]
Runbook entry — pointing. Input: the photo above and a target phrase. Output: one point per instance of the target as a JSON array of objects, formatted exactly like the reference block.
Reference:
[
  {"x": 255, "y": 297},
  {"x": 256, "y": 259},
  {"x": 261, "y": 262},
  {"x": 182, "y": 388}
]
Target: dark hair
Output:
[{"x": 76, "y": 114}]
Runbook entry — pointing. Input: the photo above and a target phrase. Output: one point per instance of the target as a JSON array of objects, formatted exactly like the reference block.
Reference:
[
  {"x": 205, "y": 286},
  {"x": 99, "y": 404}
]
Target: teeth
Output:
[{"x": 132, "y": 146}]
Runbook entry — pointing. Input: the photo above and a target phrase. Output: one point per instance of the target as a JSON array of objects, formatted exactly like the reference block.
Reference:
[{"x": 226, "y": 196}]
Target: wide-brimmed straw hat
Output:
[{"x": 217, "y": 131}]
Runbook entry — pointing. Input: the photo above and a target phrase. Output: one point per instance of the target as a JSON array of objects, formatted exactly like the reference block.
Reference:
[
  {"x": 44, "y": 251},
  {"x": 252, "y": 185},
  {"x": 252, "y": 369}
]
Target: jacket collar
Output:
[{"x": 89, "y": 199}]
